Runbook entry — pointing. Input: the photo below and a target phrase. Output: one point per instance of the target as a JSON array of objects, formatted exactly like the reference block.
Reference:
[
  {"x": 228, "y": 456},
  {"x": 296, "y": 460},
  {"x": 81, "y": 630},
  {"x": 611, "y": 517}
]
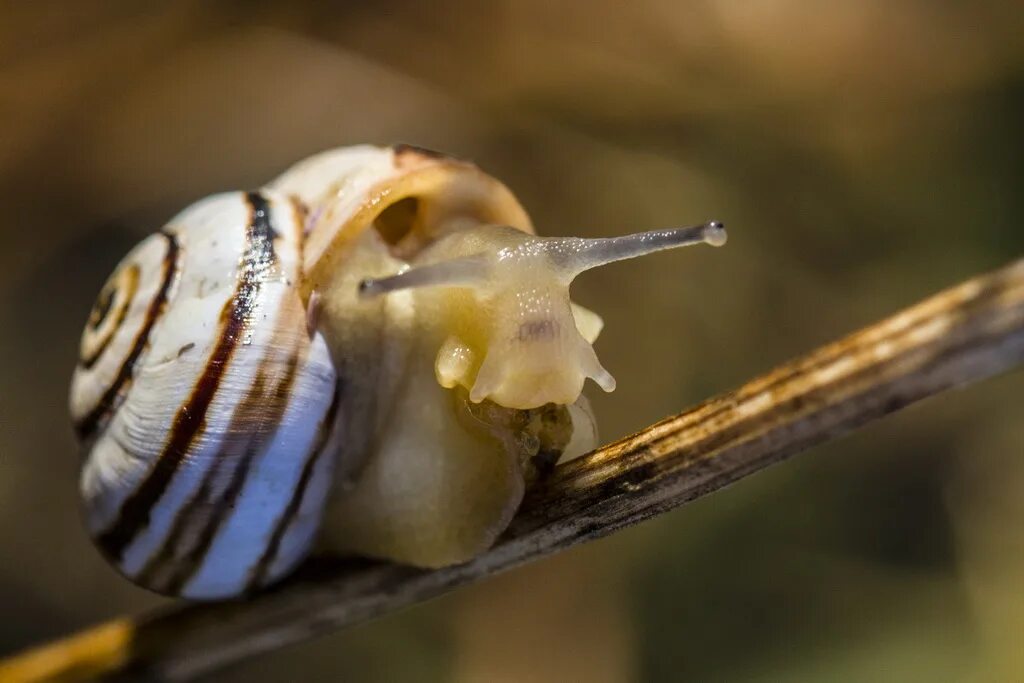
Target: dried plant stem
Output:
[{"x": 961, "y": 335}]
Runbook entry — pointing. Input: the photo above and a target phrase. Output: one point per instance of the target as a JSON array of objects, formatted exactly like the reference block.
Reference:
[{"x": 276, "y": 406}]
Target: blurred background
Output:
[{"x": 864, "y": 154}]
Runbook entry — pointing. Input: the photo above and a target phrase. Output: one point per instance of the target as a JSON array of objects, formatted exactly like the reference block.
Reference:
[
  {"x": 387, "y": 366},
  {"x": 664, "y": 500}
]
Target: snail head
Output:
[{"x": 500, "y": 299}]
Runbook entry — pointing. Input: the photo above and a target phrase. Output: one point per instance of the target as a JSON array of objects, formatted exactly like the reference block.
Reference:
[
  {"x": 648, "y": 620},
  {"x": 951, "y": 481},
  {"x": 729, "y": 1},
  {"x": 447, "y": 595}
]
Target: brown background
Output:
[{"x": 863, "y": 153}]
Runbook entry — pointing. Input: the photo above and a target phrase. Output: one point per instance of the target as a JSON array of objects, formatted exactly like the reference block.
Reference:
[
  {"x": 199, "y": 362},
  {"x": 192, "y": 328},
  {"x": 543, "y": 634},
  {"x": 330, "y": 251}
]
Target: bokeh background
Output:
[{"x": 864, "y": 153}]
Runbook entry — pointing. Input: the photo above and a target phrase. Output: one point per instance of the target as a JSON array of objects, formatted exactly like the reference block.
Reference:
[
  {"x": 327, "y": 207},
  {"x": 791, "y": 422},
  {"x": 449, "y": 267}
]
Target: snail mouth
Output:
[
  {"x": 538, "y": 437},
  {"x": 526, "y": 390}
]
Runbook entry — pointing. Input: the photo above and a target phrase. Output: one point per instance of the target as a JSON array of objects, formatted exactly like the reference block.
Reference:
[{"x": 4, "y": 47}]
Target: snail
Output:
[{"x": 372, "y": 352}]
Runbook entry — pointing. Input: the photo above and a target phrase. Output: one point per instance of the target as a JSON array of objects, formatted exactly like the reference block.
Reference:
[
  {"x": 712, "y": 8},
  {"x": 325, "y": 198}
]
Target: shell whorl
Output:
[{"x": 206, "y": 407}]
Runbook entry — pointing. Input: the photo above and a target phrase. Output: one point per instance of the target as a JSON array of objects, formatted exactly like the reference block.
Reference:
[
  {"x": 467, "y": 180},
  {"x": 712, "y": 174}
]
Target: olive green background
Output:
[{"x": 863, "y": 154}]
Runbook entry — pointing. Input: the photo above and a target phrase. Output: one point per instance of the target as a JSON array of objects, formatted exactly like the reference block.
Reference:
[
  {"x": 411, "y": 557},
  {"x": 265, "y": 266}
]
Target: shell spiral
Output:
[{"x": 206, "y": 408}]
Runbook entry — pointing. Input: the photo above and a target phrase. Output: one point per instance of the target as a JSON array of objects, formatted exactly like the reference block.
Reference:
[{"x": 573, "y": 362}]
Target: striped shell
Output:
[{"x": 205, "y": 405}]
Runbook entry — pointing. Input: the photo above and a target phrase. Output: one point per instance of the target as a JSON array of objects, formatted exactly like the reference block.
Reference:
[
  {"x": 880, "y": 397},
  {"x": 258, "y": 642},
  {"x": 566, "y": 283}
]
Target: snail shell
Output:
[
  {"x": 370, "y": 351},
  {"x": 205, "y": 405}
]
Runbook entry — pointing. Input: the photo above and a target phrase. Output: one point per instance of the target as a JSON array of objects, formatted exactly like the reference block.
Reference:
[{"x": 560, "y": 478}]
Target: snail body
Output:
[{"x": 369, "y": 351}]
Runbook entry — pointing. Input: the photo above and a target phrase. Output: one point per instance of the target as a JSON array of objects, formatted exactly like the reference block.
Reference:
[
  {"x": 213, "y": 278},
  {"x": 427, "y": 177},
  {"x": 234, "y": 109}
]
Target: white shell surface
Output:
[{"x": 208, "y": 411}]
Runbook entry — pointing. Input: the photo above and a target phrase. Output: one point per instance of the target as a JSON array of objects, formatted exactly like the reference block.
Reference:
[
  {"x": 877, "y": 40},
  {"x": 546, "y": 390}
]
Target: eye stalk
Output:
[
  {"x": 499, "y": 300},
  {"x": 576, "y": 255},
  {"x": 465, "y": 271},
  {"x": 573, "y": 255}
]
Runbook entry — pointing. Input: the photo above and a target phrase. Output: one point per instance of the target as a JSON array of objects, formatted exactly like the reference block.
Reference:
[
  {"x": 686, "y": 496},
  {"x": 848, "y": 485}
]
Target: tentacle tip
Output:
[
  {"x": 605, "y": 380},
  {"x": 715, "y": 234}
]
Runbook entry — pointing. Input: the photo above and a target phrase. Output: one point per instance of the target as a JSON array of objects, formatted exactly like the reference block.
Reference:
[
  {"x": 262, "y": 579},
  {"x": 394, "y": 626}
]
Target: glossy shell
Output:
[{"x": 205, "y": 406}]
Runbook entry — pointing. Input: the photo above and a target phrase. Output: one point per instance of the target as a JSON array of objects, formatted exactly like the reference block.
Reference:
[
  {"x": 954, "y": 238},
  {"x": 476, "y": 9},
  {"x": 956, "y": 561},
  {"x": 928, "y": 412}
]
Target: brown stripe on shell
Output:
[
  {"x": 102, "y": 310},
  {"x": 258, "y": 574},
  {"x": 257, "y": 416},
  {"x": 87, "y": 426},
  {"x": 237, "y": 317},
  {"x": 198, "y": 510}
]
